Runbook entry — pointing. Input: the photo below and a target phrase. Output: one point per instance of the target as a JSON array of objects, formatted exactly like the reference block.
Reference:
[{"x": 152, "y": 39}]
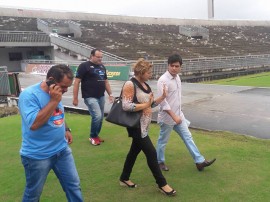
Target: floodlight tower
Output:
[{"x": 210, "y": 9}]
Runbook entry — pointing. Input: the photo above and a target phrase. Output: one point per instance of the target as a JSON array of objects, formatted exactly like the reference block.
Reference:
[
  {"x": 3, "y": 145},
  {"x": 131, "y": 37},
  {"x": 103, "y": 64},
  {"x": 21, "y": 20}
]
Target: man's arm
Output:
[
  {"x": 161, "y": 97},
  {"x": 68, "y": 134},
  {"x": 108, "y": 90},
  {"x": 76, "y": 86},
  {"x": 176, "y": 118},
  {"x": 162, "y": 92},
  {"x": 45, "y": 113},
  {"x": 162, "y": 89}
]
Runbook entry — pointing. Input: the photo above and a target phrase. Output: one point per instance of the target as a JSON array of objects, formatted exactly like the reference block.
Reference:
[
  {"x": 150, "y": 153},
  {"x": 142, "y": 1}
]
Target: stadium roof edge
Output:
[{"x": 35, "y": 13}]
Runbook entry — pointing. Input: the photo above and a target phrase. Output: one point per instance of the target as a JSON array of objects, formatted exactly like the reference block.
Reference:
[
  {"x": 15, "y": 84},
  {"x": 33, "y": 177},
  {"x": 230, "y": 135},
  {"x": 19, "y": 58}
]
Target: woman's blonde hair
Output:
[{"x": 141, "y": 66}]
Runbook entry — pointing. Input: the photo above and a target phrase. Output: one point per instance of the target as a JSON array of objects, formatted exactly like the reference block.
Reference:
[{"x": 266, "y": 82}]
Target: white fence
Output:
[{"x": 193, "y": 67}]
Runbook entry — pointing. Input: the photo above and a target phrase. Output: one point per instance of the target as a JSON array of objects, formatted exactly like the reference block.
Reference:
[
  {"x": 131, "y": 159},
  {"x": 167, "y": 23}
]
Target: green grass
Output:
[
  {"x": 241, "y": 172},
  {"x": 257, "y": 80}
]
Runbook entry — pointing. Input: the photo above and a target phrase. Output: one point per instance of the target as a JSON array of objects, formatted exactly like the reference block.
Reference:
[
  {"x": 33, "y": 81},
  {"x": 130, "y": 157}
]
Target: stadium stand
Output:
[
  {"x": 153, "y": 41},
  {"x": 21, "y": 40},
  {"x": 157, "y": 41},
  {"x": 224, "y": 47},
  {"x": 18, "y": 24},
  {"x": 25, "y": 36}
]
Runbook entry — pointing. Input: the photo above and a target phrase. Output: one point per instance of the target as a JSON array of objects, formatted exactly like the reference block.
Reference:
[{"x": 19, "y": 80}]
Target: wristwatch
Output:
[{"x": 68, "y": 129}]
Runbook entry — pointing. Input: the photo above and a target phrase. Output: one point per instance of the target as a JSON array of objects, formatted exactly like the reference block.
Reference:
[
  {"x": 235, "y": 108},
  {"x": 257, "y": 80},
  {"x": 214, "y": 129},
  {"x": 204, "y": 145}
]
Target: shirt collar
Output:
[{"x": 169, "y": 75}]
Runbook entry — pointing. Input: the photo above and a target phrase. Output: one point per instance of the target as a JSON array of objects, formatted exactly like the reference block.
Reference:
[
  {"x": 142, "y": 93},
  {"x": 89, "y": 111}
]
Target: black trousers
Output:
[{"x": 143, "y": 144}]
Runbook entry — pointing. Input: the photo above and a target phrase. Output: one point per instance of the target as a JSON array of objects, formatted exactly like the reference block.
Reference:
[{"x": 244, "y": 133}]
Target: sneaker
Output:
[
  {"x": 100, "y": 139},
  {"x": 94, "y": 141}
]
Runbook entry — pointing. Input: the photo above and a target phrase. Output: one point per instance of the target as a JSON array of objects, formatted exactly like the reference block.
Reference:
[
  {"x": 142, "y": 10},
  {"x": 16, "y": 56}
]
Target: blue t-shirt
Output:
[{"x": 47, "y": 140}]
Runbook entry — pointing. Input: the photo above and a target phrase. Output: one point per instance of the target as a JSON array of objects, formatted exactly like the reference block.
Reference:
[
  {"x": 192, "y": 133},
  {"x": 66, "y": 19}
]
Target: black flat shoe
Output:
[
  {"x": 123, "y": 183},
  {"x": 171, "y": 193}
]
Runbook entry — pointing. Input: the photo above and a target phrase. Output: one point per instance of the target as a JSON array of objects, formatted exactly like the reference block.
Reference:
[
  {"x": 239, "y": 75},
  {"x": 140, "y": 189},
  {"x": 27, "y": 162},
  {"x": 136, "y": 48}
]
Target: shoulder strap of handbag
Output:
[{"x": 135, "y": 96}]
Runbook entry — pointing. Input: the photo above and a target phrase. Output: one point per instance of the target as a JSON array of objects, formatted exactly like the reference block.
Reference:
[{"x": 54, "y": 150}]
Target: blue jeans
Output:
[
  {"x": 63, "y": 165},
  {"x": 183, "y": 131},
  {"x": 96, "y": 110}
]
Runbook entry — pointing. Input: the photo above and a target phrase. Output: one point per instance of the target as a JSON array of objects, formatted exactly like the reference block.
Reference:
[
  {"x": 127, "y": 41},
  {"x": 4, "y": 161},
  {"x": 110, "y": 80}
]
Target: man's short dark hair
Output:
[
  {"x": 175, "y": 58},
  {"x": 93, "y": 52},
  {"x": 59, "y": 71}
]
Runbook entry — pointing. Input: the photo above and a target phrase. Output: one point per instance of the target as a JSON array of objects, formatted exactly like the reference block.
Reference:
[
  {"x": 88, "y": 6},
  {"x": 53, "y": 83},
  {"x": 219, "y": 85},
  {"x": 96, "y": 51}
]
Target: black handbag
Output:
[{"x": 124, "y": 118}]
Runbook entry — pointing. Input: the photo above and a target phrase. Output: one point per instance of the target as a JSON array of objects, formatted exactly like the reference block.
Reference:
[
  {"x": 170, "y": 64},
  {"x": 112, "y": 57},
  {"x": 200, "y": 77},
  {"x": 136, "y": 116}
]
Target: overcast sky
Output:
[{"x": 183, "y": 9}]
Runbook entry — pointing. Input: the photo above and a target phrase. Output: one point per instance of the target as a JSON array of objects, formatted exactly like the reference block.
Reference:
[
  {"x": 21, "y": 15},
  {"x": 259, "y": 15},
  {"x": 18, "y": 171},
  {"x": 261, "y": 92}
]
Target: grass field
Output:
[
  {"x": 241, "y": 172},
  {"x": 257, "y": 80}
]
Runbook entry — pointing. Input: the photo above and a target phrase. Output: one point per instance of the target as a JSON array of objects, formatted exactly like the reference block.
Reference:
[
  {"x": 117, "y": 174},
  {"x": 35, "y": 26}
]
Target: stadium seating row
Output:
[{"x": 154, "y": 42}]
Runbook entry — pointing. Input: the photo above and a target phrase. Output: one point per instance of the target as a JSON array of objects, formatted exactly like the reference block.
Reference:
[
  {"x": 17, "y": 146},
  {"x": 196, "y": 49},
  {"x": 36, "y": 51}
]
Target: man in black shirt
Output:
[{"x": 93, "y": 78}]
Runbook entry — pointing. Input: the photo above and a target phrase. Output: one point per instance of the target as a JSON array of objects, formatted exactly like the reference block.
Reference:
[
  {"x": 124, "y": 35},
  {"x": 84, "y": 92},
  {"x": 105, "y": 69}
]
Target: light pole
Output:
[{"x": 210, "y": 9}]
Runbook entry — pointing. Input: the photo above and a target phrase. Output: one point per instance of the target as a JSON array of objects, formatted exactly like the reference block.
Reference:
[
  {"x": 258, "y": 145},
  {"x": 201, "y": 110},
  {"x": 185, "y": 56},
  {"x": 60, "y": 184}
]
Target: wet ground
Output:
[{"x": 243, "y": 110}]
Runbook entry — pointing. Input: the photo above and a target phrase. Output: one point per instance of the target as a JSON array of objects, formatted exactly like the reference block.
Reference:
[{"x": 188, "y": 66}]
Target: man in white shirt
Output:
[{"x": 171, "y": 117}]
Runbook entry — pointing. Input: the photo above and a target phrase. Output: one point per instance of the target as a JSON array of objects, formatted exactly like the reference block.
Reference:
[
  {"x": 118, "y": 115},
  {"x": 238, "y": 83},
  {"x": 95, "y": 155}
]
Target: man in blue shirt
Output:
[{"x": 45, "y": 136}]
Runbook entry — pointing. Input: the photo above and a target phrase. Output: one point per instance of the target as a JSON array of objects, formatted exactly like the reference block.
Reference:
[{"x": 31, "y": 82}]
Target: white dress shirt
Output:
[{"x": 172, "y": 100}]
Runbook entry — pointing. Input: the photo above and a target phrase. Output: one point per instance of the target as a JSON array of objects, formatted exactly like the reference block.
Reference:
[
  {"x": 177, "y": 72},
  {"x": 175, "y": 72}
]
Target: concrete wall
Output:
[
  {"x": 75, "y": 28},
  {"x": 15, "y": 66},
  {"x": 81, "y": 49},
  {"x": 125, "y": 19},
  {"x": 45, "y": 27}
]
